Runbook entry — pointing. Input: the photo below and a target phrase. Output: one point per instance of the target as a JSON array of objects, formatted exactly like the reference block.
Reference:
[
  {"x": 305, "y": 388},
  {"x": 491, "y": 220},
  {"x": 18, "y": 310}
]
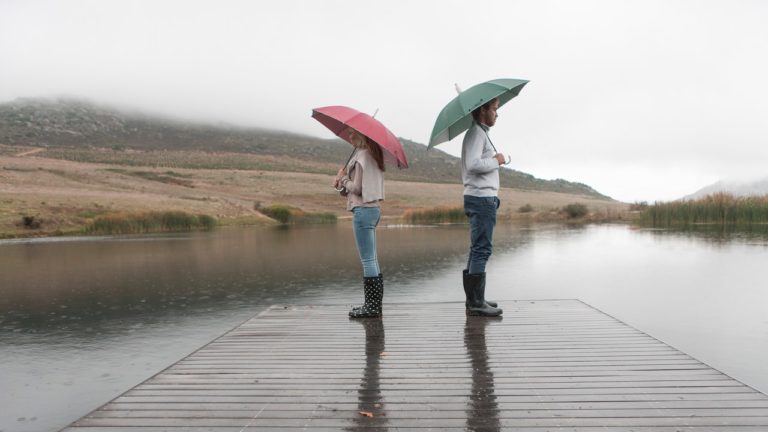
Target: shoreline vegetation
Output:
[
  {"x": 720, "y": 209},
  {"x": 124, "y": 223},
  {"x": 570, "y": 213},
  {"x": 149, "y": 222}
]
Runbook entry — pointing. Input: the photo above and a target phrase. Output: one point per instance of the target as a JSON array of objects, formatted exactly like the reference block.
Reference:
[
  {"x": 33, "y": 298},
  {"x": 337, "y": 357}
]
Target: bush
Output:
[
  {"x": 30, "y": 222},
  {"x": 575, "y": 211},
  {"x": 279, "y": 213},
  {"x": 292, "y": 215},
  {"x": 525, "y": 209}
]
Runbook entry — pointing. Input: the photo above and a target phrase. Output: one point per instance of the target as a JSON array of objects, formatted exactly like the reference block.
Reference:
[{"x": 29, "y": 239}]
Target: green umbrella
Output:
[{"x": 456, "y": 117}]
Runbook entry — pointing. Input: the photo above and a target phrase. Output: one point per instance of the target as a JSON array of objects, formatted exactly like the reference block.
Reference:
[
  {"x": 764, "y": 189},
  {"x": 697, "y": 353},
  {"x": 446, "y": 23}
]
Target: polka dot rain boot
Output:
[{"x": 373, "y": 287}]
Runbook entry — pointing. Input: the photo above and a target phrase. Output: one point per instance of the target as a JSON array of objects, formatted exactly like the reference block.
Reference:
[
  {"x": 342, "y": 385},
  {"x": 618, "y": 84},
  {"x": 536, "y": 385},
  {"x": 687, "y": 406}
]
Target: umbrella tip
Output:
[
  {"x": 458, "y": 89},
  {"x": 375, "y": 112}
]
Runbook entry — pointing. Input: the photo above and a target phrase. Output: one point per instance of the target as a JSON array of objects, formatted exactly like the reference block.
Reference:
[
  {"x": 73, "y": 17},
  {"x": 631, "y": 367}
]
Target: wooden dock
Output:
[{"x": 545, "y": 366}]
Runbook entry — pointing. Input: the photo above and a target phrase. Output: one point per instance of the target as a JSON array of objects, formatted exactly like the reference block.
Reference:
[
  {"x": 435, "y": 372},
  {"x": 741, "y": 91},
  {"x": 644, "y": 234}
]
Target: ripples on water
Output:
[{"x": 83, "y": 320}]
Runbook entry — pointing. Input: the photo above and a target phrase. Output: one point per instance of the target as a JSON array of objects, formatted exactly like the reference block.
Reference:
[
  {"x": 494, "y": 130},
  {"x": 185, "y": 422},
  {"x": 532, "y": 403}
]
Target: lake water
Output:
[{"x": 83, "y": 320}]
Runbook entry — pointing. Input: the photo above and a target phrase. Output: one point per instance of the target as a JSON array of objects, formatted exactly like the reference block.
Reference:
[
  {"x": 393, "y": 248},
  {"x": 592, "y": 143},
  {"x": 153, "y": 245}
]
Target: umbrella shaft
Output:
[
  {"x": 489, "y": 140},
  {"x": 350, "y": 157}
]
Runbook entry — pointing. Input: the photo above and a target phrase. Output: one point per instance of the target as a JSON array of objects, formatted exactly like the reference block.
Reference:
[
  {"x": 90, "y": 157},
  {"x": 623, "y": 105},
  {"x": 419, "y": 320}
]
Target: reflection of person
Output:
[
  {"x": 371, "y": 414},
  {"x": 363, "y": 184},
  {"x": 480, "y": 172},
  {"x": 483, "y": 409}
]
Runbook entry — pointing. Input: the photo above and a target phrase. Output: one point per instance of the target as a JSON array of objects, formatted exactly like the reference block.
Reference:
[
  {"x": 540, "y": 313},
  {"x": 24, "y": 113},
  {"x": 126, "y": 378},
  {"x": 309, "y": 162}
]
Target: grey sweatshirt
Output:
[{"x": 479, "y": 169}]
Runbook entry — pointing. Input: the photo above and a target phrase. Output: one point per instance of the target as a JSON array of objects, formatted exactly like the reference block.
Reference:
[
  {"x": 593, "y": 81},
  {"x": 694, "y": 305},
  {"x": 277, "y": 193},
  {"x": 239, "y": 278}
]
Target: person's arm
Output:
[
  {"x": 474, "y": 156},
  {"x": 354, "y": 186}
]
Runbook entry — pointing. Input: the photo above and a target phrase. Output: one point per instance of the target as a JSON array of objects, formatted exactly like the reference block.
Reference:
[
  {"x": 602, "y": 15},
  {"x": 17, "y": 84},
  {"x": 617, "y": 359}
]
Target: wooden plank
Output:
[{"x": 546, "y": 364}]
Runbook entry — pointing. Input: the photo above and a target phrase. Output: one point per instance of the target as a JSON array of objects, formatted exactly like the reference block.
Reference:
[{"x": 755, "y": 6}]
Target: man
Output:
[{"x": 480, "y": 172}]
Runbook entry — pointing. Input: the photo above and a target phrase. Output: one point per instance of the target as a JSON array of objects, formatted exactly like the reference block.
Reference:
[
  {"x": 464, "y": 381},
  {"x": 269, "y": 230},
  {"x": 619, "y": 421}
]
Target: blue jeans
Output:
[
  {"x": 364, "y": 221},
  {"x": 482, "y": 219}
]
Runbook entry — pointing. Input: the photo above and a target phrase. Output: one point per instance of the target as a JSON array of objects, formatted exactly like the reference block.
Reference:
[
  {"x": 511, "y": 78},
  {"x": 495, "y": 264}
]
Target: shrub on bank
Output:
[
  {"x": 575, "y": 211},
  {"x": 292, "y": 215}
]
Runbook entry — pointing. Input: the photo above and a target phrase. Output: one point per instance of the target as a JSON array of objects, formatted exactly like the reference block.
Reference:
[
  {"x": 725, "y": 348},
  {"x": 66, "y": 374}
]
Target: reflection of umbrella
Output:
[
  {"x": 339, "y": 118},
  {"x": 456, "y": 117}
]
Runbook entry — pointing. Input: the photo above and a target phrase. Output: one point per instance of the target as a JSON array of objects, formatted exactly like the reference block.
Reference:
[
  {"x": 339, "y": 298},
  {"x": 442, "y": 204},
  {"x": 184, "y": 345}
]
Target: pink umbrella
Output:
[{"x": 339, "y": 118}]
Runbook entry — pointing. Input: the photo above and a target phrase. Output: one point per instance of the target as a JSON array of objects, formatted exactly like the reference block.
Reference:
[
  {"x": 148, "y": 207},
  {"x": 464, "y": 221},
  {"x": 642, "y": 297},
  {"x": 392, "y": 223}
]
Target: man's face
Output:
[{"x": 488, "y": 116}]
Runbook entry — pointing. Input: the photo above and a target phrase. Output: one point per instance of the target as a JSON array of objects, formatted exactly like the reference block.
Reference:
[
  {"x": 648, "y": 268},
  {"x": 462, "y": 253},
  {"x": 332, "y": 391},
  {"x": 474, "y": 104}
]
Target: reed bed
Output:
[
  {"x": 716, "y": 209},
  {"x": 435, "y": 215},
  {"x": 149, "y": 222}
]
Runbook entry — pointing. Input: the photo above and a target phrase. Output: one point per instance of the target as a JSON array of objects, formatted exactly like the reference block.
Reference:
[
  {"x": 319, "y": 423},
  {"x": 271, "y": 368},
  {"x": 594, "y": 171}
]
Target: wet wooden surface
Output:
[{"x": 555, "y": 365}]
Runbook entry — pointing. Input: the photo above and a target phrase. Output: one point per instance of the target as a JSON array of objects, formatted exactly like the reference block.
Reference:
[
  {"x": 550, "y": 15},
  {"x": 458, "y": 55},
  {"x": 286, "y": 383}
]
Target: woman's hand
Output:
[{"x": 337, "y": 181}]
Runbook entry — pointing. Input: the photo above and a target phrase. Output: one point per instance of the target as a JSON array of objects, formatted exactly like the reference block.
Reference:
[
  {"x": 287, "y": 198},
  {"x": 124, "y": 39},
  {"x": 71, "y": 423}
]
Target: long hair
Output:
[
  {"x": 364, "y": 142},
  {"x": 376, "y": 152}
]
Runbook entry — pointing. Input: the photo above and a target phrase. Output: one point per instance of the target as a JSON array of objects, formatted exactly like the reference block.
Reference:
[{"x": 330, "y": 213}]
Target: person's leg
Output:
[
  {"x": 482, "y": 218},
  {"x": 365, "y": 220}
]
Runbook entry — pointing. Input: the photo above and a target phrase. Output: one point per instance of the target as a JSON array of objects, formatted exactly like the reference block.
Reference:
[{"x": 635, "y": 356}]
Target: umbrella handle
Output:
[
  {"x": 345, "y": 165},
  {"x": 507, "y": 158}
]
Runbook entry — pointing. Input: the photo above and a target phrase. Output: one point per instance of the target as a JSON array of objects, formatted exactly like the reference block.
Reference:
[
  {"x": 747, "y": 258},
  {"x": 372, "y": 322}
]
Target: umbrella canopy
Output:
[
  {"x": 456, "y": 117},
  {"x": 339, "y": 118}
]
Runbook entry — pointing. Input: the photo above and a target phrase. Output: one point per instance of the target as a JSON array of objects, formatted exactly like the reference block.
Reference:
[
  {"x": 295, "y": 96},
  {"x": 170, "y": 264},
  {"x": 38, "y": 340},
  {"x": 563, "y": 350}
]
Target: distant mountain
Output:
[
  {"x": 76, "y": 123},
  {"x": 733, "y": 187}
]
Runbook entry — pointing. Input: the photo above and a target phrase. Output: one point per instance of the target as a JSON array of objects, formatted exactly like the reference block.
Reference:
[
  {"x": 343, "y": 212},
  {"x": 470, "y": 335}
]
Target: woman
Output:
[{"x": 363, "y": 184}]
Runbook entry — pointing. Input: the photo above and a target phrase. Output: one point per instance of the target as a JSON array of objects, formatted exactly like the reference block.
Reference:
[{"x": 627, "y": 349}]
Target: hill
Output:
[
  {"x": 736, "y": 188},
  {"x": 79, "y": 130}
]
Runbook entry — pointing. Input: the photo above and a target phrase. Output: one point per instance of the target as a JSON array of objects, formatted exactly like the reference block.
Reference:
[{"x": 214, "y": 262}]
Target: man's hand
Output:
[{"x": 500, "y": 159}]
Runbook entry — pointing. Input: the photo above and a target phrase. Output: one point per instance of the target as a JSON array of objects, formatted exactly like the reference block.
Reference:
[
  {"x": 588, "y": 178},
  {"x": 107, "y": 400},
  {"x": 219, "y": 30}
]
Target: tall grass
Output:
[
  {"x": 435, "y": 215},
  {"x": 288, "y": 215},
  {"x": 720, "y": 208},
  {"x": 149, "y": 222}
]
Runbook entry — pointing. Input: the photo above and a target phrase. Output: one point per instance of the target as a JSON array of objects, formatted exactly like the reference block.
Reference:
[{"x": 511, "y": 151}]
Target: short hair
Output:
[{"x": 476, "y": 111}]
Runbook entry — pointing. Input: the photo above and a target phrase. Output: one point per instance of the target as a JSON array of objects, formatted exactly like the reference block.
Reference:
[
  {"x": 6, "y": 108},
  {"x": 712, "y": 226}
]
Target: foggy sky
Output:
[{"x": 642, "y": 100}]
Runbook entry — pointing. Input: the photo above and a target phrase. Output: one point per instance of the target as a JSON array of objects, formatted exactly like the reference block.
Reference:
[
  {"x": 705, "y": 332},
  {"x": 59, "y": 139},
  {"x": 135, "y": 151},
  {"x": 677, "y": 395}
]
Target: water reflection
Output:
[
  {"x": 371, "y": 412},
  {"x": 483, "y": 409},
  {"x": 78, "y": 287},
  {"x": 718, "y": 235}
]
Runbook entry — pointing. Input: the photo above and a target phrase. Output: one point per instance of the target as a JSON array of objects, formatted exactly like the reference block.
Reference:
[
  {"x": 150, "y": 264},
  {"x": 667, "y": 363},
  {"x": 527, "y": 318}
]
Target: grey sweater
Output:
[
  {"x": 365, "y": 181},
  {"x": 479, "y": 168}
]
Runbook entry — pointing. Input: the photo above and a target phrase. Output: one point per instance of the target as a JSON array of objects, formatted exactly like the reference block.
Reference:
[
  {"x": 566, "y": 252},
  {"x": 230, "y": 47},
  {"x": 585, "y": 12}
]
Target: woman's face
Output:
[{"x": 356, "y": 138}]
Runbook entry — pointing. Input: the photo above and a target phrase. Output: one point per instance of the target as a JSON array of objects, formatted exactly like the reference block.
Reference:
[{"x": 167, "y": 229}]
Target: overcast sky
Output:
[{"x": 642, "y": 100}]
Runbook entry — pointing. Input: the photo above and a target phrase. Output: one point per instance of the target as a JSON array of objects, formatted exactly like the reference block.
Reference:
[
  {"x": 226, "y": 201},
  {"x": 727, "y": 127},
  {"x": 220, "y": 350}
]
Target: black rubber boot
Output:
[
  {"x": 477, "y": 304},
  {"x": 464, "y": 274},
  {"x": 373, "y": 287},
  {"x": 359, "y": 308}
]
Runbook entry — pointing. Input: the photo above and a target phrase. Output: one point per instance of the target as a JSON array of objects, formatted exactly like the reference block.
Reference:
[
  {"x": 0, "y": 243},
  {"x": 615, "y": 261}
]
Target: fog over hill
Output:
[
  {"x": 739, "y": 188},
  {"x": 74, "y": 123}
]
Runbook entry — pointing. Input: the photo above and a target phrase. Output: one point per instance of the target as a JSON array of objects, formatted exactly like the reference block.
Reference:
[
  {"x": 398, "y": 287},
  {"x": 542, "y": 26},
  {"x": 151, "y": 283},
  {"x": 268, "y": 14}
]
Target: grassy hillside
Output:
[{"x": 83, "y": 132}]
